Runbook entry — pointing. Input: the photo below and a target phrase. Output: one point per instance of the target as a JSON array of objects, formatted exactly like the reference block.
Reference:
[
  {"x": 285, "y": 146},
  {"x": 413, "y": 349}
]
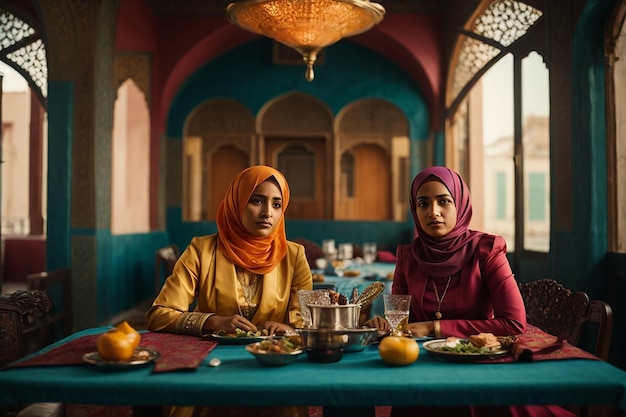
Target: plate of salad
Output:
[
  {"x": 462, "y": 350},
  {"x": 240, "y": 337}
]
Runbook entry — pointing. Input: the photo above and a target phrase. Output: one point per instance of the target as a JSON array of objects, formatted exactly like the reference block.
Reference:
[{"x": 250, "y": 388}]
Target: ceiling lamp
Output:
[{"x": 306, "y": 25}]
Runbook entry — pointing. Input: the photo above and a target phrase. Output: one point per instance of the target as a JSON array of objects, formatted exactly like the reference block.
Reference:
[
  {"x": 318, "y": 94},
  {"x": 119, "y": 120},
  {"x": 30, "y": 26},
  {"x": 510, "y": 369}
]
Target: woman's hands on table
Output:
[
  {"x": 229, "y": 324},
  {"x": 274, "y": 327},
  {"x": 216, "y": 323},
  {"x": 417, "y": 329},
  {"x": 421, "y": 328},
  {"x": 378, "y": 323}
]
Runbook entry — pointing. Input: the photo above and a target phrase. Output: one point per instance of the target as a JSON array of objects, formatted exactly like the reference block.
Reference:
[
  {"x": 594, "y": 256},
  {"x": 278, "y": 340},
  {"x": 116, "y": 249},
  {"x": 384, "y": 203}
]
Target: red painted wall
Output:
[{"x": 23, "y": 256}]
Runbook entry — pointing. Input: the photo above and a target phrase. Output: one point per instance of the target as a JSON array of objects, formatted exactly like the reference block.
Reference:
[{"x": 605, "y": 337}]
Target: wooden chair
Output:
[
  {"x": 568, "y": 314},
  {"x": 165, "y": 259},
  {"x": 23, "y": 320},
  {"x": 58, "y": 285}
]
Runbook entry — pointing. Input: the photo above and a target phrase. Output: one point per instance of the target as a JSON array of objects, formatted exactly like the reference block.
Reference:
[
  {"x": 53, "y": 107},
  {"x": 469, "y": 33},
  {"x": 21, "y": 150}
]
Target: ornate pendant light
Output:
[{"x": 306, "y": 25}]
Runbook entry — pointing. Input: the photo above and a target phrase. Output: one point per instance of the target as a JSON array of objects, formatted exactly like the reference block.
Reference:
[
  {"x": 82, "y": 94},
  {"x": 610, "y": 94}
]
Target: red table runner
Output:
[
  {"x": 178, "y": 352},
  {"x": 536, "y": 345}
]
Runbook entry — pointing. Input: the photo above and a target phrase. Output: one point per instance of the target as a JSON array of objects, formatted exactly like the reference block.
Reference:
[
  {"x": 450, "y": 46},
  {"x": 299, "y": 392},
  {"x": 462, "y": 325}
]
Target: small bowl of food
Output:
[{"x": 275, "y": 351}]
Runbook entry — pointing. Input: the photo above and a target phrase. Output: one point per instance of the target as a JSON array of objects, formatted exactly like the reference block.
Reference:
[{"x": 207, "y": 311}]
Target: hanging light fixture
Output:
[{"x": 306, "y": 25}]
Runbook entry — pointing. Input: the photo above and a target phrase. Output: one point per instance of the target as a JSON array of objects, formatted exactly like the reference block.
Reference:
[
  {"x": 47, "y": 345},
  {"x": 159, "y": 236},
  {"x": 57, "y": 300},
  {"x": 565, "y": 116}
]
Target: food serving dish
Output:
[
  {"x": 268, "y": 358},
  {"x": 438, "y": 348},
  {"x": 323, "y": 345},
  {"x": 141, "y": 356},
  {"x": 359, "y": 339},
  {"x": 334, "y": 316},
  {"x": 334, "y": 342}
]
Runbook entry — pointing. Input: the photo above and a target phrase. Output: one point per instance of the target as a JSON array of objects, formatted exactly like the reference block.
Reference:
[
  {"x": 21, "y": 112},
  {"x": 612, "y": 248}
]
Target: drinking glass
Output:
[
  {"x": 396, "y": 310},
  {"x": 345, "y": 251},
  {"x": 329, "y": 249},
  {"x": 306, "y": 297},
  {"x": 369, "y": 252}
]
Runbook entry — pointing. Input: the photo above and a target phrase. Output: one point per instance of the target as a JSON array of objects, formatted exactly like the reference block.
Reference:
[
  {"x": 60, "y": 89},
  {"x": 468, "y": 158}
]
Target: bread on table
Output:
[{"x": 487, "y": 340}]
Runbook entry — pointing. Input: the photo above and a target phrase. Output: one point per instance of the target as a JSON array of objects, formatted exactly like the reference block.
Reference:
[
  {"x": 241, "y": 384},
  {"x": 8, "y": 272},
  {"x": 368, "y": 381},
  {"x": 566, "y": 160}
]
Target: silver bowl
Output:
[
  {"x": 359, "y": 339},
  {"x": 273, "y": 358},
  {"x": 323, "y": 345},
  {"x": 329, "y": 345},
  {"x": 334, "y": 316}
]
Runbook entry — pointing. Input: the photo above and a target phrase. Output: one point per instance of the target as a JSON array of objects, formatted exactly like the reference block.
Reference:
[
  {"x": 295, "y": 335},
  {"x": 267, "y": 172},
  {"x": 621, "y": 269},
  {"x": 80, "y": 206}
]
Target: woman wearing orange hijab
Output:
[{"x": 246, "y": 276}]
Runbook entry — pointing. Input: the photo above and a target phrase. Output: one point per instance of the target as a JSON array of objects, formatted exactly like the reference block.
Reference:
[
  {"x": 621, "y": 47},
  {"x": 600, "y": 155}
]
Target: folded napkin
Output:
[
  {"x": 536, "y": 345},
  {"x": 178, "y": 352}
]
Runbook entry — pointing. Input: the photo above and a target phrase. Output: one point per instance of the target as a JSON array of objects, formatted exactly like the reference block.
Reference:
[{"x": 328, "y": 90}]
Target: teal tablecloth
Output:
[{"x": 359, "y": 379}]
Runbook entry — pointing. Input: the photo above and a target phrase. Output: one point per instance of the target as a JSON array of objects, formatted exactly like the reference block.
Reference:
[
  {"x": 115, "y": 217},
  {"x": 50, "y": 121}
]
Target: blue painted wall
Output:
[
  {"x": 60, "y": 108},
  {"x": 580, "y": 257},
  {"x": 350, "y": 72},
  {"x": 128, "y": 275}
]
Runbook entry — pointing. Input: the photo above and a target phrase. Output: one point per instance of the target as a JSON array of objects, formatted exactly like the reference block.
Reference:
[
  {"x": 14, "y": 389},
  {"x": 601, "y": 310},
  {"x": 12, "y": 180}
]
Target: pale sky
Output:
[
  {"x": 497, "y": 86},
  {"x": 11, "y": 80}
]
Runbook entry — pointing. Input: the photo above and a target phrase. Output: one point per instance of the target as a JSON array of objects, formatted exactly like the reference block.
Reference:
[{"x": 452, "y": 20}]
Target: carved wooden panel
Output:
[
  {"x": 296, "y": 112},
  {"x": 22, "y": 316},
  {"x": 372, "y": 116},
  {"x": 219, "y": 117},
  {"x": 554, "y": 308}
]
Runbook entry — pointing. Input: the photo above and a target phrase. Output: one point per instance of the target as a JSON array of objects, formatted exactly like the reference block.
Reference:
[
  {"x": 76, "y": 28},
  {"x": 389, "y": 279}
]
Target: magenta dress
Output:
[{"x": 482, "y": 297}]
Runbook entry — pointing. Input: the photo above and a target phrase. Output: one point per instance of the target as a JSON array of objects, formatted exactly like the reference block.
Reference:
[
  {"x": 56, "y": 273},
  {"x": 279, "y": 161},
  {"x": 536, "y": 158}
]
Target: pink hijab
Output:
[{"x": 445, "y": 256}]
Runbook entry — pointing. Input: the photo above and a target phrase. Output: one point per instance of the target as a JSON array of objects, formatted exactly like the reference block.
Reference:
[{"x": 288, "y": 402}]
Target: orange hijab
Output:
[{"x": 257, "y": 254}]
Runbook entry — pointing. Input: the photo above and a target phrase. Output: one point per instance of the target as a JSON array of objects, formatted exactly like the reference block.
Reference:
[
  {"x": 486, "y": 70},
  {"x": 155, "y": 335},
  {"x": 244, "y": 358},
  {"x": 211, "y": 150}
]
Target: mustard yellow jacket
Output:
[{"x": 204, "y": 275}]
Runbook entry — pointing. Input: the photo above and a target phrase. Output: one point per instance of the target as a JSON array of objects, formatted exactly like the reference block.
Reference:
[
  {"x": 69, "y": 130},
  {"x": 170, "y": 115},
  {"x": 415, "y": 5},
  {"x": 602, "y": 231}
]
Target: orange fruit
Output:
[
  {"x": 133, "y": 335},
  {"x": 114, "y": 345},
  {"x": 398, "y": 350}
]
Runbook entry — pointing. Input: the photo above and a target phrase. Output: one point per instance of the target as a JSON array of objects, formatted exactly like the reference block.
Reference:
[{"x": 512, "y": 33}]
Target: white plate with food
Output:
[
  {"x": 462, "y": 350},
  {"x": 240, "y": 337}
]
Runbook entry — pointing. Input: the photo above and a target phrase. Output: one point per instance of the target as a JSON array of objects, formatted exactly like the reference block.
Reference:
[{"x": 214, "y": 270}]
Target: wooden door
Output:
[
  {"x": 307, "y": 182},
  {"x": 224, "y": 165},
  {"x": 371, "y": 199}
]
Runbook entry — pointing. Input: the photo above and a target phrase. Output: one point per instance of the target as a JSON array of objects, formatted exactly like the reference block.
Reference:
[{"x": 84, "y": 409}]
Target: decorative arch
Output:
[
  {"x": 22, "y": 48},
  {"x": 375, "y": 133},
  {"x": 300, "y": 119},
  {"x": 218, "y": 143},
  {"x": 295, "y": 112},
  {"x": 136, "y": 66},
  {"x": 483, "y": 41},
  {"x": 130, "y": 169}
]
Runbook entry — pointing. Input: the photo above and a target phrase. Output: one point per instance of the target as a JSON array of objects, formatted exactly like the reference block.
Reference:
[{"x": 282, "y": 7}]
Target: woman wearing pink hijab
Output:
[{"x": 460, "y": 280}]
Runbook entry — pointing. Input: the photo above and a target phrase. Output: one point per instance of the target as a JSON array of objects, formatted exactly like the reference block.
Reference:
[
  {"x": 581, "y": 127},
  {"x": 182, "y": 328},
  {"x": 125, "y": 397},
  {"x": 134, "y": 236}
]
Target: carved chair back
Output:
[
  {"x": 58, "y": 285},
  {"x": 565, "y": 313}
]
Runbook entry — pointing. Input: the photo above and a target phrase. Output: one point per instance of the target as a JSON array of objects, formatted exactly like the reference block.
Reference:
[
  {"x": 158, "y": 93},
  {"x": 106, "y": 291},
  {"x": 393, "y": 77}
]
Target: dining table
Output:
[{"x": 183, "y": 375}]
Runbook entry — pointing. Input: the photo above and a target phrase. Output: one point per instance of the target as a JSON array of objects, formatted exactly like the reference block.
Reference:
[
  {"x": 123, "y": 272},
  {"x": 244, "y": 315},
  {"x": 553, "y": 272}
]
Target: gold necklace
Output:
[
  {"x": 249, "y": 291},
  {"x": 438, "y": 314}
]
